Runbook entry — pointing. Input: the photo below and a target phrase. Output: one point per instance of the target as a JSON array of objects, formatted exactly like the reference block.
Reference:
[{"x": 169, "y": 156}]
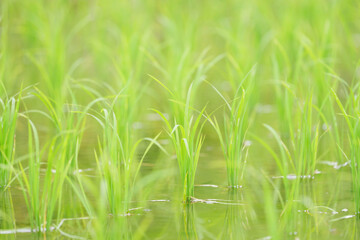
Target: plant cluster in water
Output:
[{"x": 203, "y": 119}]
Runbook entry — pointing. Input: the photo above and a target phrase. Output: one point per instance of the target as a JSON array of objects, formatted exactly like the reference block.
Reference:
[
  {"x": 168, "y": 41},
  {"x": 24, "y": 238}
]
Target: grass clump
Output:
[
  {"x": 50, "y": 167},
  {"x": 29, "y": 179},
  {"x": 117, "y": 157},
  {"x": 187, "y": 140},
  {"x": 44, "y": 193},
  {"x": 296, "y": 161},
  {"x": 183, "y": 72},
  {"x": 69, "y": 126},
  {"x": 8, "y": 117},
  {"x": 351, "y": 112},
  {"x": 233, "y": 134},
  {"x": 9, "y": 106},
  {"x": 300, "y": 154}
]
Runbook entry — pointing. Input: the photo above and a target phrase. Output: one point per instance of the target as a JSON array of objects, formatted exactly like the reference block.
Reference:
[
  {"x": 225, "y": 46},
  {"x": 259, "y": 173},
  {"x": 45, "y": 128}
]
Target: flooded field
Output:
[{"x": 179, "y": 119}]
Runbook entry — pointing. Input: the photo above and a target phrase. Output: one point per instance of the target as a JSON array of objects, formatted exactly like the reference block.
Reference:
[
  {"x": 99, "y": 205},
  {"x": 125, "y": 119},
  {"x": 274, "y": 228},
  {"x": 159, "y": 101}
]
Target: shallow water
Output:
[
  {"x": 325, "y": 208},
  {"x": 217, "y": 212}
]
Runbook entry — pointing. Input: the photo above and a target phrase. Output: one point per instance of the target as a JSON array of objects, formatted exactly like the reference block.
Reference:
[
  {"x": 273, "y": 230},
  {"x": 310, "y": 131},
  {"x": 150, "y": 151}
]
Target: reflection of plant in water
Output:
[
  {"x": 7, "y": 219},
  {"x": 105, "y": 225},
  {"x": 236, "y": 221},
  {"x": 189, "y": 226},
  {"x": 118, "y": 228},
  {"x": 111, "y": 227}
]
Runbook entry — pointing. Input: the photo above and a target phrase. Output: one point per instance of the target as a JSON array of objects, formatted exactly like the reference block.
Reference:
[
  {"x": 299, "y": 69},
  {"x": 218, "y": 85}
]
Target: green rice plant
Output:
[
  {"x": 234, "y": 132},
  {"x": 283, "y": 159},
  {"x": 302, "y": 144},
  {"x": 69, "y": 125},
  {"x": 48, "y": 33},
  {"x": 303, "y": 63},
  {"x": 117, "y": 157},
  {"x": 182, "y": 76},
  {"x": 9, "y": 112},
  {"x": 9, "y": 106},
  {"x": 122, "y": 52},
  {"x": 44, "y": 193},
  {"x": 296, "y": 161},
  {"x": 329, "y": 123},
  {"x": 351, "y": 113},
  {"x": 180, "y": 62},
  {"x": 187, "y": 140},
  {"x": 30, "y": 181},
  {"x": 183, "y": 73},
  {"x": 44, "y": 35},
  {"x": 284, "y": 102},
  {"x": 307, "y": 141},
  {"x": 318, "y": 63}
]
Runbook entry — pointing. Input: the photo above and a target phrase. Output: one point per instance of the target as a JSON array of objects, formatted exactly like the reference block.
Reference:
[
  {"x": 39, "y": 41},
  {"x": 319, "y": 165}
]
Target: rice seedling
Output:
[
  {"x": 351, "y": 113},
  {"x": 69, "y": 127},
  {"x": 9, "y": 106},
  {"x": 284, "y": 102},
  {"x": 58, "y": 159},
  {"x": 43, "y": 194},
  {"x": 117, "y": 157},
  {"x": 187, "y": 140},
  {"x": 31, "y": 181},
  {"x": 183, "y": 73},
  {"x": 233, "y": 134},
  {"x": 180, "y": 63},
  {"x": 182, "y": 76},
  {"x": 307, "y": 141},
  {"x": 8, "y": 118},
  {"x": 296, "y": 162},
  {"x": 122, "y": 52},
  {"x": 44, "y": 33},
  {"x": 303, "y": 143},
  {"x": 240, "y": 77}
]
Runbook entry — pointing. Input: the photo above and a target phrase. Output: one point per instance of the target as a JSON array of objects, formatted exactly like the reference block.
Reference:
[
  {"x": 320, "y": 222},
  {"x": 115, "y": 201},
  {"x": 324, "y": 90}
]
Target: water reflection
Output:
[
  {"x": 189, "y": 222},
  {"x": 111, "y": 228},
  {"x": 120, "y": 228},
  {"x": 6, "y": 213},
  {"x": 236, "y": 221}
]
